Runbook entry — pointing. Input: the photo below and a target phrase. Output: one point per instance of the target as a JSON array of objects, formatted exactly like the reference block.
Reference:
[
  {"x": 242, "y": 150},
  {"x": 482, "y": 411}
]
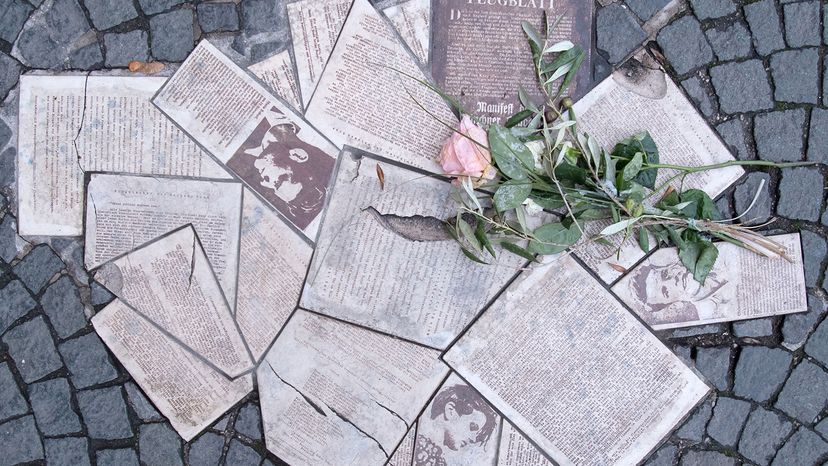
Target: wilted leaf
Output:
[
  {"x": 618, "y": 268},
  {"x": 511, "y": 194},
  {"x": 381, "y": 177},
  {"x": 515, "y": 249},
  {"x": 144, "y": 67},
  {"x": 643, "y": 240}
]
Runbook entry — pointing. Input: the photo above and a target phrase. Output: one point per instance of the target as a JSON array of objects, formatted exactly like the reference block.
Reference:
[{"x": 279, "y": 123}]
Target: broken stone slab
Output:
[{"x": 53, "y": 31}]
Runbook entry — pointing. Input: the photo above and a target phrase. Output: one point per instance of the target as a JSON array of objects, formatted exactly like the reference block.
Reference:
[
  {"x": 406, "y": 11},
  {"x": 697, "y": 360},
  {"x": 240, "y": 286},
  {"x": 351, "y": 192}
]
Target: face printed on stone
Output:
[
  {"x": 461, "y": 430},
  {"x": 670, "y": 284},
  {"x": 278, "y": 178}
]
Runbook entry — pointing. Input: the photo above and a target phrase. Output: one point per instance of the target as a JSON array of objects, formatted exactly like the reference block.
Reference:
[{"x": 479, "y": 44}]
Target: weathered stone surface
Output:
[
  {"x": 259, "y": 16},
  {"x": 218, "y": 17},
  {"x": 13, "y": 14},
  {"x": 242, "y": 455},
  {"x": 818, "y": 138},
  {"x": 685, "y": 45},
  {"x": 714, "y": 364},
  {"x": 733, "y": 134},
  {"x": 665, "y": 456},
  {"x": 7, "y": 169},
  {"x": 742, "y": 87},
  {"x": 51, "y": 403},
  {"x": 724, "y": 206},
  {"x": 33, "y": 350},
  {"x": 15, "y": 302},
  {"x": 87, "y": 360},
  {"x": 8, "y": 238},
  {"x": 796, "y": 328},
  {"x": 729, "y": 417},
  {"x": 730, "y": 41},
  {"x": 815, "y": 249},
  {"x": 249, "y": 422},
  {"x": 122, "y": 457},
  {"x": 67, "y": 452},
  {"x": 172, "y": 35},
  {"x": 62, "y": 303},
  {"x": 104, "y": 413},
  {"x": 152, "y": 7},
  {"x": 645, "y": 9},
  {"x": 159, "y": 444},
  {"x": 706, "y": 458},
  {"x": 760, "y": 372},
  {"x": 754, "y": 328},
  {"x": 693, "y": 427},
  {"x": 779, "y": 135},
  {"x": 796, "y": 75},
  {"x": 9, "y": 74},
  {"x": 696, "y": 331},
  {"x": 46, "y": 43},
  {"x": 19, "y": 441},
  {"x": 618, "y": 32},
  {"x": 707, "y": 9},
  {"x": 698, "y": 94},
  {"x": 122, "y": 48},
  {"x": 802, "y": 24},
  {"x": 5, "y": 133},
  {"x": 805, "y": 393},
  {"x": 86, "y": 58},
  {"x": 12, "y": 402},
  {"x": 221, "y": 424},
  {"x": 822, "y": 427},
  {"x": 800, "y": 193},
  {"x": 206, "y": 450},
  {"x": 38, "y": 267},
  {"x": 764, "y": 433},
  {"x": 763, "y": 20},
  {"x": 804, "y": 448},
  {"x": 141, "y": 405},
  {"x": 817, "y": 346},
  {"x": 746, "y": 192},
  {"x": 100, "y": 295},
  {"x": 109, "y": 13}
]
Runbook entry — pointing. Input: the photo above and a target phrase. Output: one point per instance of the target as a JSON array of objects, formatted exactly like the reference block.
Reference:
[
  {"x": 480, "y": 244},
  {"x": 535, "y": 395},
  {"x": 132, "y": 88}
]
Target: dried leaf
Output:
[
  {"x": 137, "y": 66},
  {"x": 618, "y": 268},
  {"x": 381, "y": 177}
]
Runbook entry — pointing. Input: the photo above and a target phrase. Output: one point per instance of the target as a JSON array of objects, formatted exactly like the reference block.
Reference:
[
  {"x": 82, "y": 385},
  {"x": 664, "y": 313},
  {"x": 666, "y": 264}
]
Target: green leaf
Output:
[
  {"x": 515, "y": 249},
  {"x": 553, "y": 238},
  {"x": 619, "y": 226},
  {"x": 535, "y": 41},
  {"x": 511, "y": 155},
  {"x": 562, "y": 59},
  {"x": 471, "y": 256},
  {"x": 701, "y": 206},
  {"x": 511, "y": 194},
  {"x": 568, "y": 172},
  {"x": 593, "y": 214},
  {"x": 548, "y": 200},
  {"x": 669, "y": 200},
  {"x": 698, "y": 256},
  {"x": 515, "y": 119},
  {"x": 573, "y": 71},
  {"x": 482, "y": 237},
  {"x": 642, "y": 143},
  {"x": 468, "y": 234},
  {"x": 643, "y": 239},
  {"x": 632, "y": 168}
]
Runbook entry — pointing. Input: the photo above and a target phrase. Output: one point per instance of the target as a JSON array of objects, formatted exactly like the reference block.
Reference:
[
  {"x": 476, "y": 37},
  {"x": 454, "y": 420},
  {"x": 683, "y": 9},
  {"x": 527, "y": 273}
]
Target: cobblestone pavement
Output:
[{"x": 754, "y": 69}]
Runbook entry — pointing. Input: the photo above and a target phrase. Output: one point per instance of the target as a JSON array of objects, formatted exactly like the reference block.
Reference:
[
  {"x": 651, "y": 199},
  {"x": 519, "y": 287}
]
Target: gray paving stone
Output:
[
  {"x": 796, "y": 328},
  {"x": 760, "y": 372},
  {"x": 723, "y": 204},
  {"x": 45, "y": 44},
  {"x": 698, "y": 94},
  {"x": 9, "y": 74},
  {"x": 708, "y": 9},
  {"x": 218, "y": 17},
  {"x": 742, "y": 87},
  {"x": 260, "y": 16},
  {"x": 172, "y": 35},
  {"x": 159, "y": 445},
  {"x": 817, "y": 346},
  {"x": 818, "y": 138},
  {"x": 805, "y": 394},
  {"x": 20, "y": 442},
  {"x": 763, "y": 435},
  {"x": 86, "y": 58},
  {"x": 665, "y": 456},
  {"x": 249, "y": 421},
  {"x": 733, "y": 134},
  {"x": 87, "y": 360},
  {"x": 67, "y": 452},
  {"x": 5, "y": 133},
  {"x": 15, "y": 302},
  {"x": 801, "y": 191},
  {"x": 685, "y": 45},
  {"x": 110, "y": 13},
  {"x": 802, "y": 24},
  {"x": 13, "y": 14},
  {"x": 104, "y": 413},
  {"x": 100, "y": 295},
  {"x": 645, "y": 9},
  {"x": 764, "y": 23},
  {"x": 33, "y": 350},
  {"x": 796, "y": 75},
  {"x": 746, "y": 192},
  {"x": 7, "y": 158},
  {"x": 714, "y": 364},
  {"x": 815, "y": 249},
  {"x": 729, "y": 416},
  {"x": 52, "y": 406},
  {"x": 240, "y": 454},
  {"x": 696, "y": 331},
  {"x": 729, "y": 41},
  {"x": 62, "y": 303},
  {"x": 122, "y": 48},
  {"x": 618, "y": 32},
  {"x": 779, "y": 135},
  {"x": 206, "y": 450},
  {"x": 755, "y": 328},
  {"x": 706, "y": 458},
  {"x": 221, "y": 424},
  {"x": 12, "y": 402},
  {"x": 38, "y": 267},
  {"x": 804, "y": 448},
  {"x": 121, "y": 457},
  {"x": 693, "y": 427},
  {"x": 152, "y": 7},
  {"x": 822, "y": 427},
  {"x": 141, "y": 405}
]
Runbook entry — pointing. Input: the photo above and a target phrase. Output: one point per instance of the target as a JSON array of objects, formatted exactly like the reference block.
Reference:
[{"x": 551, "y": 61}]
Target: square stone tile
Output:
[
  {"x": 33, "y": 350},
  {"x": 52, "y": 406},
  {"x": 742, "y": 86}
]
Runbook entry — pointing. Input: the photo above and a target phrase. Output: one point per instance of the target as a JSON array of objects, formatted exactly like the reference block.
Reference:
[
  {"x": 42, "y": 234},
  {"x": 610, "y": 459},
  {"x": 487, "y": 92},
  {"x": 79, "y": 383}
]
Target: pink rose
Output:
[{"x": 461, "y": 156}]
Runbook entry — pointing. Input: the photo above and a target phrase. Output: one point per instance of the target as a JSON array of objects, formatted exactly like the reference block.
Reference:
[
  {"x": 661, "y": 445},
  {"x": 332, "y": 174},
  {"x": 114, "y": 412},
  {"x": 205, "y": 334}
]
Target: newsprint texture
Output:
[
  {"x": 254, "y": 135},
  {"x": 333, "y": 393},
  {"x": 481, "y": 57},
  {"x": 742, "y": 285},
  {"x": 412, "y": 19},
  {"x": 366, "y": 97},
  {"x": 384, "y": 259},
  {"x": 571, "y": 368},
  {"x": 277, "y": 72},
  {"x": 170, "y": 283},
  {"x": 642, "y": 96},
  {"x": 126, "y": 211},
  {"x": 73, "y": 124}
]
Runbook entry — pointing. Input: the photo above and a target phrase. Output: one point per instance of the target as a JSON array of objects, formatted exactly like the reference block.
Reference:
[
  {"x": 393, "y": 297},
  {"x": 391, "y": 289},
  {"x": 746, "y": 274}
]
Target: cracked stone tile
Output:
[
  {"x": 818, "y": 141},
  {"x": 800, "y": 193},
  {"x": 67, "y": 452},
  {"x": 742, "y": 86},
  {"x": 159, "y": 444},
  {"x": 52, "y": 406},
  {"x": 685, "y": 45},
  {"x": 779, "y": 135},
  {"x": 13, "y": 14},
  {"x": 804, "y": 448},
  {"x": 796, "y": 75},
  {"x": 33, "y": 350},
  {"x": 172, "y": 35},
  {"x": 805, "y": 394},
  {"x": 802, "y": 24},
  {"x": 240, "y": 454},
  {"x": 764, "y": 23},
  {"x": 15, "y": 302},
  {"x": 763, "y": 435},
  {"x": 730, "y": 41},
  {"x": 729, "y": 416},
  {"x": 62, "y": 303},
  {"x": 206, "y": 449},
  {"x": 121, "y": 457},
  {"x": 87, "y": 360},
  {"x": 797, "y": 326},
  {"x": 714, "y": 364},
  {"x": 706, "y": 458},
  {"x": 249, "y": 422},
  {"x": 52, "y": 32},
  {"x": 746, "y": 192},
  {"x": 618, "y": 32},
  {"x": 104, "y": 413},
  {"x": 760, "y": 372},
  {"x": 20, "y": 442},
  {"x": 38, "y": 267},
  {"x": 12, "y": 402}
]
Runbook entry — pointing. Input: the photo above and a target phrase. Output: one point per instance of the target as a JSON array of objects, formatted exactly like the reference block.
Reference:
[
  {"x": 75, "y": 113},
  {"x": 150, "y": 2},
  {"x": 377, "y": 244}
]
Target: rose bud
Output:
[{"x": 466, "y": 153}]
